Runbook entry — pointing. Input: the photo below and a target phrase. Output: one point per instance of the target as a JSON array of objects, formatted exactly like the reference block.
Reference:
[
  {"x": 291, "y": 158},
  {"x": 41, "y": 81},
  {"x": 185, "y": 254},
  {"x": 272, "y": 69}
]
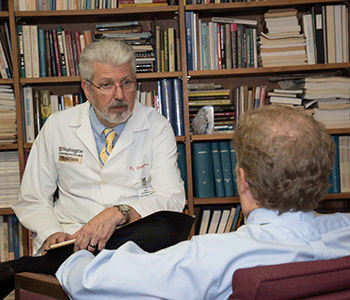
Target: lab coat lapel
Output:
[{"x": 84, "y": 132}]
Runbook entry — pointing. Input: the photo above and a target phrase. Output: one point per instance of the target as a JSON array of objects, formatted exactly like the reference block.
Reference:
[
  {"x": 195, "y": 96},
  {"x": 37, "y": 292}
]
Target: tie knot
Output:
[{"x": 107, "y": 131}]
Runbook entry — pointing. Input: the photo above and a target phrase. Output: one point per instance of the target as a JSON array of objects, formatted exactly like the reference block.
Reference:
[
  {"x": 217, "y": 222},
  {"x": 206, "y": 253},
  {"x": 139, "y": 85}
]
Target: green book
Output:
[
  {"x": 203, "y": 170},
  {"x": 219, "y": 180},
  {"x": 225, "y": 154}
]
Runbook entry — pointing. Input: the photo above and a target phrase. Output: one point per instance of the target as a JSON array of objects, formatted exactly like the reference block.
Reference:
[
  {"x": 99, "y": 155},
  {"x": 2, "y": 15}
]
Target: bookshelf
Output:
[{"x": 166, "y": 16}]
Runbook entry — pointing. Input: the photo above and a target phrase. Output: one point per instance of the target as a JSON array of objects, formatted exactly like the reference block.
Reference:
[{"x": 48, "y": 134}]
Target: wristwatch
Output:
[{"x": 125, "y": 210}]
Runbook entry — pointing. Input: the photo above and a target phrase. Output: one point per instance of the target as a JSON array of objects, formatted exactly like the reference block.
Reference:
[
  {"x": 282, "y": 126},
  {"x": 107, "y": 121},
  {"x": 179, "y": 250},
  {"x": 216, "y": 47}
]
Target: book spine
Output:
[
  {"x": 179, "y": 123},
  {"x": 75, "y": 54},
  {"x": 166, "y": 50},
  {"x": 61, "y": 50},
  {"x": 310, "y": 38},
  {"x": 27, "y": 51},
  {"x": 37, "y": 112},
  {"x": 57, "y": 53},
  {"x": 233, "y": 35},
  {"x": 34, "y": 50},
  {"x": 233, "y": 160},
  {"x": 42, "y": 52},
  {"x": 335, "y": 179},
  {"x": 181, "y": 162},
  {"x": 203, "y": 170},
  {"x": 188, "y": 28},
  {"x": 171, "y": 48},
  {"x": 48, "y": 55},
  {"x": 29, "y": 114},
  {"x": 226, "y": 168},
  {"x": 11, "y": 252},
  {"x": 70, "y": 55},
  {"x": 205, "y": 52},
  {"x": 167, "y": 99},
  {"x": 217, "y": 167},
  {"x": 318, "y": 25}
]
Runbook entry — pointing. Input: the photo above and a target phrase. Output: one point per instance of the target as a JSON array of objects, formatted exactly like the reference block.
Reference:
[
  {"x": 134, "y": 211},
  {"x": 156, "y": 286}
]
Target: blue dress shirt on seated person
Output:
[{"x": 202, "y": 268}]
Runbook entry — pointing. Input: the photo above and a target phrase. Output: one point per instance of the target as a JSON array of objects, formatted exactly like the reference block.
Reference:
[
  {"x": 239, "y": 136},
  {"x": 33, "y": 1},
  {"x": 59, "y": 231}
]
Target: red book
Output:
[
  {"x": 219, "y": 46},
  {"x": 262, "y": 95},
  {"x": 69, "y": 47},
  {"x": 77, "y": 43}
]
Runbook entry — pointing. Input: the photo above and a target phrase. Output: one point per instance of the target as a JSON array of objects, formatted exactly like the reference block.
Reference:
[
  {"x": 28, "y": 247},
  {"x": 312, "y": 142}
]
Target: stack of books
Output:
[
  {"x": 282, "y": 43},
  {"x": 331, "y": 96},
  {"x": 9, "y": 178},
  {"x": 132, "y": 33},
  {"x": 286, "y": 97},
  {"x": 200, "y": 95},
  {"x": 8, "y": 127}
]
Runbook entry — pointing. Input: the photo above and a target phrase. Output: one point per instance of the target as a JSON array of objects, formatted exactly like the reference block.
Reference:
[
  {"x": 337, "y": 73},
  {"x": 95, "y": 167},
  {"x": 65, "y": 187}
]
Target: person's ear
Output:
[
  {"x": 85, "y": 88},
  {"x": 244, "y": 183}
]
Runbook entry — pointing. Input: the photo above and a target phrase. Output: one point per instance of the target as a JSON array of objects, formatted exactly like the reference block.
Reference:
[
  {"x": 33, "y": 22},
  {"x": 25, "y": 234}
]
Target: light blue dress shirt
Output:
[
  {"x": 202, "y": 268},
  {"x": 98, "y": 128}
]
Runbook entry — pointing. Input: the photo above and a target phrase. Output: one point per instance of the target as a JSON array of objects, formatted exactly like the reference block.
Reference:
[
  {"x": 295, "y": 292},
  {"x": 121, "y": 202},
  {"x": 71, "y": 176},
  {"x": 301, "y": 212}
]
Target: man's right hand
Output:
[{"x": 55, "y": 238}]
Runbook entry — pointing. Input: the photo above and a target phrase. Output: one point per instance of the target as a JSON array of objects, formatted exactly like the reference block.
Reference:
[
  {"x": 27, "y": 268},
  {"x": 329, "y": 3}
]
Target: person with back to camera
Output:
[
  {"x": 114, "y": 163},
  {"x": 284, "y": 158}
]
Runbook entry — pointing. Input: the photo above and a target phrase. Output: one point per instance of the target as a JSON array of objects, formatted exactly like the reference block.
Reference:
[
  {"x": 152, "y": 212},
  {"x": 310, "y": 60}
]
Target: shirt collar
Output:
[
  {"x": 262, "y": 216},
  {"x": 98, "y": 127}
]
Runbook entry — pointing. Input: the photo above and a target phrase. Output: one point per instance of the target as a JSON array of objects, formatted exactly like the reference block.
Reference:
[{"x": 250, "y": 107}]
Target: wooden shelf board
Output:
[
  {"x": 97, "y": 12},
  {"x": 210, "y": 137},
  {"x": 75, "y": 79},
  {"x": 9, "y": 146},
  {"x": 216, "y": 200},
  {"x": 6, "y": 211},
  {"x": 254, "y": 4},
  {"x": 267, "y": 70},
  {"x": 337, "y": 196}
]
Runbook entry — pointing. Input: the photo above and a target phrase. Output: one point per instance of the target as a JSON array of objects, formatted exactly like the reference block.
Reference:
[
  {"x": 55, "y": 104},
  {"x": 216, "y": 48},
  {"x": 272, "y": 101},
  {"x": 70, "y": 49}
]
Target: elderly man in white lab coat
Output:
[
  {"x": 113, "y": 162},
  {"x": 139, "y": 177}
]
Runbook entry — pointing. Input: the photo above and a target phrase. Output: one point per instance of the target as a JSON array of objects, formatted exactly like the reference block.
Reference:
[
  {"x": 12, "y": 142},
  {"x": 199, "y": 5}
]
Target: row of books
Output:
[
  {"x": 139, "y": 38},
  {"x": 167, "y": 45},
  {"x": 340, "y": 176},
  {"x": 168, "y": 101},
  {"x": 326, "y": 98},
  {"x": 8, "y": 123},
  {"x": 9, "y": 178},
  {"x": 39, "y": 5},
  {"x": 214, "y": 95},
  {"x": 40, "y": 104},
  {"x": 222, "y": 43},
  {"x": 11, "y": 242},
  {"x": 247, "y": 98},
  {"x": 219, "y": 219},
  {"x": 321, "y": 36},
  {"x": 214, "y": 165},
  {"x": 53, "y": 52},
  {"x": 282, "y": 41},
  {"x": 215, "y": 1},
  {"x": 330, "y": 33}
]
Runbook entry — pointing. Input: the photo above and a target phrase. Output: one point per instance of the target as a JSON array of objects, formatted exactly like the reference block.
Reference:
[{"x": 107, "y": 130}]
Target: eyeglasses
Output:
[{"x": 108, "y": 88}]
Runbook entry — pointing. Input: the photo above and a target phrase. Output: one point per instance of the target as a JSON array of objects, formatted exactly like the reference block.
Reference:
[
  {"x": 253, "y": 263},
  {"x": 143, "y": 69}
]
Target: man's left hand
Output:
[{"x": 98, "y": 230}]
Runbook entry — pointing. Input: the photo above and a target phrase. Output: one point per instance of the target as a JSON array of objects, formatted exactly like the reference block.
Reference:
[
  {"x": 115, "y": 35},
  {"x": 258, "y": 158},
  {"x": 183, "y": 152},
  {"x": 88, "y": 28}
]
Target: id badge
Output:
[{"x": 144, "y": 192}]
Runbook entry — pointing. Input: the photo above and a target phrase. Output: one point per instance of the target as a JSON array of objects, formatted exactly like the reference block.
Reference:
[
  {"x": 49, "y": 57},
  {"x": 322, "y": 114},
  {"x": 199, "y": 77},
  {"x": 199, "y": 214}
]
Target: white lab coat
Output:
[{"x": 64, "y": 155}]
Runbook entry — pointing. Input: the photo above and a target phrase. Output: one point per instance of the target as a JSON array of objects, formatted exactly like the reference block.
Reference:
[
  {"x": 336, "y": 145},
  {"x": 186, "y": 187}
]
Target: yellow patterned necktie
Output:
[{"x": 107, "y": 149}]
